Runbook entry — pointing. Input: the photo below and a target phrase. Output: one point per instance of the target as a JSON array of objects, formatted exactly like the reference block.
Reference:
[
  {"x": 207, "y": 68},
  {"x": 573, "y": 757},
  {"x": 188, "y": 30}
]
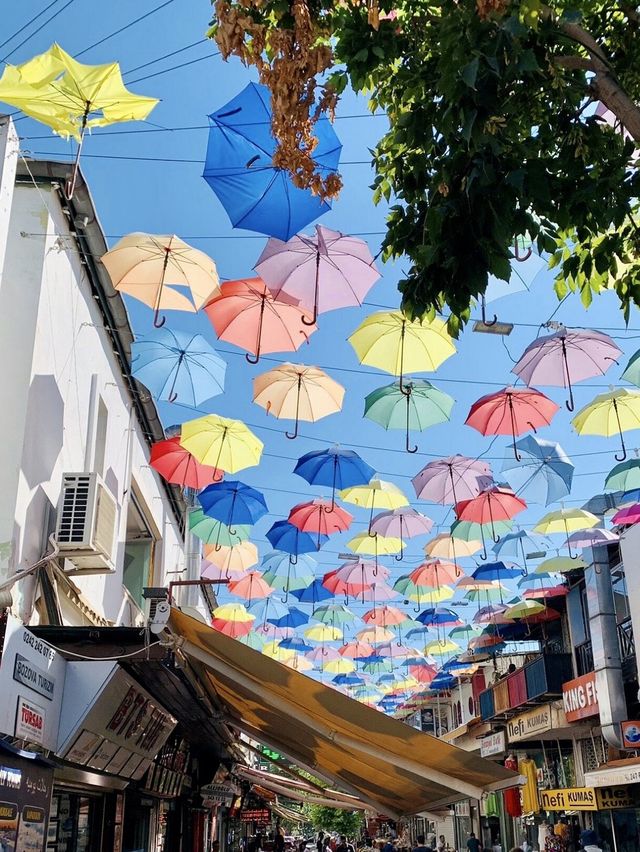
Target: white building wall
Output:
[{"x": 67, "y": 363}]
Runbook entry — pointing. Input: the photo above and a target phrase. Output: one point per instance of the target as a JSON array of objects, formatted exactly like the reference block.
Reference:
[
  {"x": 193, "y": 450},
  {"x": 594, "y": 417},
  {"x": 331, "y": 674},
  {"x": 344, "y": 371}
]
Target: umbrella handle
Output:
[
  {"x": 402, "y": 335},
  {"x": 251, "y": 359},
  {"x": 521, "y": 257},
  {"x": 158, "y": 323},
  {"x": 71, "y": 183},
  {"x": 373, "y": 503},
  {"x": 333, "y": 484},
  {"x": 485, "y": 321},
  {"x": 295, "y": 431},
  {"x": 314, "y": 317},
  {"x": 624, "y": 449},
  {"x": 406, "y": 443}
]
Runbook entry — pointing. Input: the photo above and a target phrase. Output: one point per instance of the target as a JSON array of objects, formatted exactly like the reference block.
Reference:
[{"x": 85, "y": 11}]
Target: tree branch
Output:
[{"x": 574, "y": 63}]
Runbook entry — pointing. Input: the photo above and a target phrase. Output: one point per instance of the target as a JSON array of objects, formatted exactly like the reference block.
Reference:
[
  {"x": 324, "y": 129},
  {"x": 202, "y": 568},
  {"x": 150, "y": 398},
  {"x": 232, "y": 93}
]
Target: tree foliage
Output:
[
  {"x": 495, "y": 129},
  {"x": 344, "y": 822}
]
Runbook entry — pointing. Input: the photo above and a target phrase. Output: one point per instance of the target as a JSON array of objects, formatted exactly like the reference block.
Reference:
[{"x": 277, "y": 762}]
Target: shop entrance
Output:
[{"x": 75, "y": 822}]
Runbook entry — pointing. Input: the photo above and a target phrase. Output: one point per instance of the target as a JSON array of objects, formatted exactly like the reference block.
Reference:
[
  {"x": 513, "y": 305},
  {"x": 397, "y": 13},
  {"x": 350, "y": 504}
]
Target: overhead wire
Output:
[
  {"x": 124, "y": 28},
  {"x": 163, "y": 57},
  {"x": 36, "y": 31},
  {"x": 28, "y": 24}
]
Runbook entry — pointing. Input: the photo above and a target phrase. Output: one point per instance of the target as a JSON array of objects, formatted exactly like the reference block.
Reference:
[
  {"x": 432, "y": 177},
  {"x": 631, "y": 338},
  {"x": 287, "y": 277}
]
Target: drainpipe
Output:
[{"x": 604, "y": 641}]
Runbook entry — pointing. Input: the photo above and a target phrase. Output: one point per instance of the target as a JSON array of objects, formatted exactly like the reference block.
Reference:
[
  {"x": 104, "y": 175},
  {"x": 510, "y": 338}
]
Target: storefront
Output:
[
  {"x": 26, "y": 781},
  {"x": 617, "y": 821}
]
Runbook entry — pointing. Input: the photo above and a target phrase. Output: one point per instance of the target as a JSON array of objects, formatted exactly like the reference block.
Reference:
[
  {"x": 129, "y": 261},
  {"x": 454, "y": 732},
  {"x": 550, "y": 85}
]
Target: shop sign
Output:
[
  {"x": 217, "y": 793},
  {"x": 32, "y": 678},
  {"x": 536, "y": 721},
  {"x": 255, "y": 815},
  {"x": 580, "y": 698},
  {"x": 569, "y": 799},
  {"x": 461, "y": 809},
  {"x": 614, "y": 798},
  {"x": 615, "y": 776},
  {"x": 630, "y": 734},
  {"x": 25, "y": 797},
  {"x": 493, "y": 744}
]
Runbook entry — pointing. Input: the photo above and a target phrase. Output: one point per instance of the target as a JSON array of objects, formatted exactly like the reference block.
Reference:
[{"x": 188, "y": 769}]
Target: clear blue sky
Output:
[{"x": 168, "y": 194}]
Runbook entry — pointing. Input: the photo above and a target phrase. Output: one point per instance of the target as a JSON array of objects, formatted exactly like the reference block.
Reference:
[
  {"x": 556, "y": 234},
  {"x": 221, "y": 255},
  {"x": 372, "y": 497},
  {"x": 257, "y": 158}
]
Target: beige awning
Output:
[{"x": 388, "y": 765}]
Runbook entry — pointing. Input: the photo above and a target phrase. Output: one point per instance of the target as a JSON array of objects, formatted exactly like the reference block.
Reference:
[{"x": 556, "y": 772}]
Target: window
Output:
[{"x": 139, "y": 551}]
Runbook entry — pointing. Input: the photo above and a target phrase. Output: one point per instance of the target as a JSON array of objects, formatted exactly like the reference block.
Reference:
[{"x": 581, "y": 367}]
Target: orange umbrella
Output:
[
  {"x": 385, "y": 616},
  {"x": 246, "y": 313},
  {"x": 250, "y": 586},
  {"x": 434, "y": 572}
]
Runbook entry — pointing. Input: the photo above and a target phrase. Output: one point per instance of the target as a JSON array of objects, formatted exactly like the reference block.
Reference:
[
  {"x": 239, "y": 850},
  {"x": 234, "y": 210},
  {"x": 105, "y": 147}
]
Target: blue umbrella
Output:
[
  {"x": 521, "y": 545},
  {"x": 239, "y": 168},
  {"x": 543, "y": 473},
  {"x": 295, "y": 643},
  {"x": 232, "y": 502},
  {"x": 439, "y": 615},
  {"x": 443, "y": 680},
  {"x": 267, "y": 609},
  {"x": 292, "y": 619},
  {"x": 496, "y": 571},
  {"x": 178, "y": 365},
  {"x": 335, "y": 467},
  {"x": 284, "y": 536},
  {"x": 314, "y": 593},
  {"x": 347, "y": 679}
]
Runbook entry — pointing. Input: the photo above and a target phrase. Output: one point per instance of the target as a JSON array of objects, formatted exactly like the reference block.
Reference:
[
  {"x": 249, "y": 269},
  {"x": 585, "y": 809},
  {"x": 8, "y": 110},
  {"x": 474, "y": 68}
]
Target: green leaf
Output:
[
  {"x": 378, "y": 51},
  {"x": 470, "y": 72}
]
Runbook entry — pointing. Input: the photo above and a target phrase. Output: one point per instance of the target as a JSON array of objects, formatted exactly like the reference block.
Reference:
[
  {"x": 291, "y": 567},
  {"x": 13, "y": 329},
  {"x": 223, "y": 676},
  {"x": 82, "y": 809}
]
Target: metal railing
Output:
[
  {"x": 584, "y": 658},
  {"x": 626, "y": 640}
]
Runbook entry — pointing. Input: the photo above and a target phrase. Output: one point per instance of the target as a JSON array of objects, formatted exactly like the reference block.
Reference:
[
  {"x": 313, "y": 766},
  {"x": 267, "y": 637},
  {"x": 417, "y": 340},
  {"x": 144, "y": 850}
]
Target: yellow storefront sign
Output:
[
  {"x": 612, "y": 798},
  {"x": 569, "y": 799}
]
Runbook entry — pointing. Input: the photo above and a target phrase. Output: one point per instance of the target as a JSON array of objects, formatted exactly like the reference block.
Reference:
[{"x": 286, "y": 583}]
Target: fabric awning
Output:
[{"x": 389, "y": 766}]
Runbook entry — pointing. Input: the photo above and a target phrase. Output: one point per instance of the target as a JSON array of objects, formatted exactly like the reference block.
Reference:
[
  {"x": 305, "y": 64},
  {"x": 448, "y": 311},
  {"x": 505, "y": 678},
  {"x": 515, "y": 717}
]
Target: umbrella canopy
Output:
[
  {"x": 560, "y": 565},
  {"x": 397, "y": 345},
  {"x": 374, "y": 635},
  {"x": 439, "y": 616},
  {"x": 469, "y": 531},
  {"x": 233, "y": 559},
  {"x": 385, "y": 616},
  {"x": 156, "y": 269},
  {"x": 496, "y": 571},
  {"x": 451, "y": 479},
  {"x": 487, "y": 594},
  {"x": 239, "y": 167},
  {"x": 323, "y": 633},
  {"x": 176, "y": 464},
  {"x": 543, "y": 472},
  {"x": 441, "y": 648},
  {"x": 252, "y": 640},
  {"x": 277, "y": 565},
  {"x": 565, "y": 357},
  {"x": 246, "y": 314},
  {"x": 524, "y": 609},
  {"x": 314, "y": 593},
  {"x": 416, "y": 405},
  {"x": 233, "y": 502},
  {"x": 377, "y": 593},
  {"x": 356, "y": 650},
  {"x": 492, "y": 614},
  {"x": 289, "y": 621},
  {"x": 295, "y": 392},
  {"x": 215, "y": 532},
  {"x": 341, "y": 666},
  {"x": 632, "y": 370},
  {"x": 401, "y": 523},
  {"x": 566, "y": 521},
  {"x": 520, "y": 545},
  {"x": 209, "y": 571},
  {"x": 319, "y": 516},
  {"x": 377, "y": 494},
  {"x": 337, "y": 615},
  {"x": 320, "y": 273},
  {"x": 270, "y": 606},
  {"x": 624, "y": 476},
  {"x": 176, "y": 365},
  {"x": 627, "y": 517},
  {"x": 378, "y": 545},
  {"x": 587, "y": 538},
  {"x": 334, "y": 467},
  {"x": 444, "y": 546},
  {"x": 490, "y": 506},
  {"x": 434, "y": 573},
  {"x": 219, "y": 441},
  {"x": 232, "y": 619},
  {"x": 511, "y": 411},
  {"x": 250, "y": 587},
  {"x": 609, "y": 414},
  {"x": 544, "y": 592},
  {"x": 284, "y": 536}
]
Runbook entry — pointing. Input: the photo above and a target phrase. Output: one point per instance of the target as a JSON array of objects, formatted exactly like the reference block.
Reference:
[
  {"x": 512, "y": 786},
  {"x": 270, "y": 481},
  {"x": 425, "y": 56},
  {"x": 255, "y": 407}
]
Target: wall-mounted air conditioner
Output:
[{"x": 86, "y": 524}]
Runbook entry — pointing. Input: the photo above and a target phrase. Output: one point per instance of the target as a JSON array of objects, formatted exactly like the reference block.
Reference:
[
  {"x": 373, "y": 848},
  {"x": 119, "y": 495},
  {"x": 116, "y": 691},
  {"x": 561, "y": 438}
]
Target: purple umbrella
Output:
[
  {"x": 587, "y": 538},
  {"x": 401, "y": 523},
  {"x": 565, "y": 357},
  {"x": 452, "y": 479},
  {"x": 322, "y": 273}
]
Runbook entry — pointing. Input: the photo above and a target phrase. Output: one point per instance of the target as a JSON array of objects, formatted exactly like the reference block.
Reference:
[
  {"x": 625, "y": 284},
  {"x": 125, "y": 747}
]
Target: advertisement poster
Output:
[{"x": 25, "y": 794}]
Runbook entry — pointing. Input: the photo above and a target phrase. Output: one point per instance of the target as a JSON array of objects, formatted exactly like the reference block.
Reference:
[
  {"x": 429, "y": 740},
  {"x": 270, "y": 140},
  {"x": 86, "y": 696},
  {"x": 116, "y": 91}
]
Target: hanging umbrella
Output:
[
  {"x": 233, "y": 559},
  {"x": 395, "y": 651},
  {"x": 493, "y": 504},
  {"x": 340, "y": 666},
  {"x": 233, "y": 502},
  {"x": 232, "y": 619},
  {"x": 377, "y": 494},
  {"x": 511, "y": 411},
  {"x": 374, "y": 635},
  {"x": 377, "y": 545},
  {"x": 320, "y": 273},
  {"x": 627, "y": 517},
  {"x": 209, "y": 571},
  {"x": 566, "y": 521},
  {"x": 492, "y": 614},
  {"x": 385, "y": 616},
  {"x": 239, "y": 167},
  {"x": 609, "y": 414},
  {"x": 70, "y": 97},
  {"x": 263, "y": 608},
  {"x": 275, "y": 652},
  {"x": 488, "y": 642},
  {"x": 314, "y": 593},
  {"x": 435, "y": 572},
  {"x": 543, "y": 472},
  {"x": 416, "y": 593},
  {"x": 348, "y": 680},
  {"x": 156, "y": 269},
  {"x": 520, "y": 545},
  {"x": 451, "y": 479},
  {"x": 269, "y": 631},
  {"x": 472, "y": 584},
  {"x": 561, "y": 565},
  {"x": 397, "y": 345},
  {"x": 334, "y": 467},
  {"x": 466, "y": 631},
  {"x": 496, "y": 571},
  {"x": 294, "y": 643},
  {"x": 252, "y": 640},
  {"x": 250, "y": 586},
  {"x": 444, "y": 546},
  {"x": 286, "y": 575},
  {"x": 353, "y": 578},
  {"x": 176, "y": 464},
  {"x": 337, "y": 615},
  {"x": 624, "y": 476},
  {"x": 290, "y": 620},
  {"x": 424, "y": 673},
  {"x": 469, "y": 531},
  {"x": 377, "y": 593},
  {"x": 284, "y": 536},
  {"x": 178, "y": 365},
  {"x": 219, "y": 441},
  {"x": 565, "y": 357},
  {"x": 376, "y": 665},
  {"x": 441, "y": 648},
  {"x": 439, "y": 616},
  {"x": 321, "y": 517},
  {"x": 295, "y": 392},
  {"x": 416, "y": 405},
  {"x": 544, "y": 592},
  {"x": 489, "y": 594},
  {"x": 524, "y": 609},
  {"x": 215, "y": 532},
  {"x": 588, "y": 538},
  {"x": 278, "y": 563},
  {"x": 323, "y": 633},
  {"x": 356, "y": 650}
]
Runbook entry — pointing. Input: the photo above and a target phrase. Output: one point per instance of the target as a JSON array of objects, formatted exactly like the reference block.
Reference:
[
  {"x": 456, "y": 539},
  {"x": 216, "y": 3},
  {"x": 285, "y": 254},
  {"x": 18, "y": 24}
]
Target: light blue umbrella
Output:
[
  {"x": 282, "y": 571},
  {"x": 521, "y": 545},
  {"x": 268, "y": 609},
  {"x": 178, "y": 365},
  {"x": 544, "y": 472}
]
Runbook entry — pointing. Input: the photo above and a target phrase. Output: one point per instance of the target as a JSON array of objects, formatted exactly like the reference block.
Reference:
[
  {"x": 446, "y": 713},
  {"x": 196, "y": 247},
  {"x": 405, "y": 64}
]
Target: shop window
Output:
[
  {"x": 75, "y": 823},
  {"x": 139, "y": 551}
]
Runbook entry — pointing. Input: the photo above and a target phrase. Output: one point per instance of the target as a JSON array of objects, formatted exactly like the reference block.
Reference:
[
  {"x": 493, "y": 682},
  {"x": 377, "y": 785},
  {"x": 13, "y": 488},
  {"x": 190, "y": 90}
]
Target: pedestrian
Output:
[
  {"x": 343, "y": 846},
  {"x": 421, "y": 847},
  {"x": 441, "y": 845},
  {"x": 473, "y": 844},
  {"x": 320, "y": 841},
  {"x": 388, "y": 846},
  {"x": 590, "y": 841},
  {"x": 278, "y": 840},
  {"x": 516, "y": 849},
  {"x": 553, "y": 843}
]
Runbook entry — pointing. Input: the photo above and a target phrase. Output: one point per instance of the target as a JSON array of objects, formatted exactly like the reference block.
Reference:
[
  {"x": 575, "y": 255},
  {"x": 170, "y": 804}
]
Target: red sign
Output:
[
  {"x": 580, "y": 698},
  {"x": 257, "y": 815},
  {"x": 630, "y": 734}
]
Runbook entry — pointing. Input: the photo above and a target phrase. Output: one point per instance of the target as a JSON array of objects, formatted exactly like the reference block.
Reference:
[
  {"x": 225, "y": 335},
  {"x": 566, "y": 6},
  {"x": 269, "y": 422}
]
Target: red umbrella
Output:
[
  {"x": 435, "y": 572},
  {"x": 320, "y": 516},
  {"x": 493, "y": 504},
  {"x": 246, "y": 313},
  {"x": 423, "y": 672},
  {"x": 511, "y": 411},
  {"x": 543, "y": 617},
  {"x": 559, "y": 591},
  {"x": 177, "y": 465}
]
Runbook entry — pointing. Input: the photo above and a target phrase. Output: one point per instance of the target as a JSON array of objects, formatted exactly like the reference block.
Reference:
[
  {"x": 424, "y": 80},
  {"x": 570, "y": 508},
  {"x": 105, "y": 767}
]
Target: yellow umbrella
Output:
[
  {"x": 234, "y": 559},
  {"x": 296, "y": 392},
  {"x": 393, "y": 343},
  {"x": 70, "y": 97},
  {"x": 566, "y": 521},
  {"x": 323, "y": 633},
  {"x": 298, "y": 662},
  {"x": 379, "y": 545},
  {"x": 560, "y": 564},
  {"x": 375, "y": 634},
  {"x": 229, "y": 443},
  {"x": 150, "y": 267},
  {"x": 273, "y": 650},
  {"x": 447, "y": 547},
  {"x": 341, "y": 666},
  {"x": 609, "y": 414},
  {"x": 523, "y": 609},
  {"x": 430, "y": 596},
  {"x": 233, "y": 612},
  {"x": 404, "y": 682},
  {"x": 441, "y": 648},
  {"x": 378, "y": 494}
]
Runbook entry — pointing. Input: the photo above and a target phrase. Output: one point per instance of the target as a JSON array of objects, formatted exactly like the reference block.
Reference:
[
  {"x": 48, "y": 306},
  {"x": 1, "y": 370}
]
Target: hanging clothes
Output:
[
  {"x": 529, "y": 790},
  {"x": 491, "y": 805},
  {"x": 512, "y": 795}
]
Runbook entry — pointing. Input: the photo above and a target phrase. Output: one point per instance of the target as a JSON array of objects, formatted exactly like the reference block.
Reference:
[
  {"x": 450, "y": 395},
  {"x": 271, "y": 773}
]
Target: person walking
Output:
[
  {"x": 473, "y": 844},
  {"x": 421, "y": 847},
  {"x": 320, "y": 841},
  {"x": 343, "y": 846},
  {"x": 590, "y": 841}
]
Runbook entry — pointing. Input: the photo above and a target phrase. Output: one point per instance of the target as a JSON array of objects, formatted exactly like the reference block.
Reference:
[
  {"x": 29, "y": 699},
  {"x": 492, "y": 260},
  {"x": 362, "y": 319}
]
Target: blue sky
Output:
[{"x": 143, "y": 180}]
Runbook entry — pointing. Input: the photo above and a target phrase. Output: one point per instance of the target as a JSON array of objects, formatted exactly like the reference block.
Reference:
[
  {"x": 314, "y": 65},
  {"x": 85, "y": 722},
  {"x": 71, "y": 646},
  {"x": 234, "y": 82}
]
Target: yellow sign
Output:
[
  {"x": 569, "y": 799},
  {"x": 613, "y": 798}
]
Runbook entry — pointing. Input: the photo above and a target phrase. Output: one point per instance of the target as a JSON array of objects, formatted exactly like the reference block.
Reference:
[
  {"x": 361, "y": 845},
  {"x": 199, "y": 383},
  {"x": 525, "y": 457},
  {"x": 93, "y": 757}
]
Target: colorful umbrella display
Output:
[
  {"x": 295, "y": 392},
  {"x": 250, "y": 586},
  {"x": 414, "y": 406},
  {"x": 444, "y": 546},
  {"x": 543, "y": 472},
  {"x": 567, "y": 356},
  {"x": 247, "y": 315},
  {"x": 210, "y": 531},
  {"x": 334, "y": 467},
  {"x": 611, "y": 413},
  {"x": 492, "y": 505},
  {"x": 176, "y": 464},
  {"x": 624, "y": 476},
  {"x": 320, "y": 516},
  {"x": 239, "y": 167},
  {"x": 566, "y": 521},
  {"x": 233, "y": 559},
  {"x": 233, "y": 502},
  {"x": 232, "y": 619},
  {"x": 285, "y": 536},
  {"x": 377, "y": 494},
  {"x": 219, "y": 441},
  {"x": 452, "y": 479},
  {"x": 156, "y": 270},
  {"x": 401, "y": 523},
  {"x": 320, "y": 273}
]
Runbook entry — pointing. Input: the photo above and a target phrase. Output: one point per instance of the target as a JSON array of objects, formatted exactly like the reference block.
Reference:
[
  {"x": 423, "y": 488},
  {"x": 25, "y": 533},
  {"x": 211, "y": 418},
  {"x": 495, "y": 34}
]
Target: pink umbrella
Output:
[
  {"x": 565, "y": 357},
  {"x": 209, "y": 571},
  {"x": 627, "y": 517},
  {"x": 546, "y": 592},
  {"x": 320, "y": 273},
  {"x": 322, "y": 654},
  {"x": 385, "y": 616},
  {"x": 378, "y": 592},
  {"x": 587, "y": 538},
  {"x": 356, "y": 649},
  {"x": 452, "y": 479},
  {"x": 492, "y": 614},
  {"x": 270, "y": 631},
  {"x": 396, "y": 651},
  {"x": 401, "y": 523}
]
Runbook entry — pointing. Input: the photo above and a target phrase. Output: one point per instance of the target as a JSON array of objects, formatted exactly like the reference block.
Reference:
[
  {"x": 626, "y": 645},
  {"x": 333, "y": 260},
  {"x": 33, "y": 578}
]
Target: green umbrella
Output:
[
  {"x": 337, "y": 615},
  {"x": 215, "y": 532},
  {"x": 632, "y": 370},
  {"x": 412, "y": 405},
  {"x": 624, "y": 476}
]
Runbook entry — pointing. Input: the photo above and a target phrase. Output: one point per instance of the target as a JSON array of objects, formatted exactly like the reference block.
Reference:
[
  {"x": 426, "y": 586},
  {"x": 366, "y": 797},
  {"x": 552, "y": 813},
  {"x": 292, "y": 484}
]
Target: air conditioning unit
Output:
[{"x": 86, "y": 525}]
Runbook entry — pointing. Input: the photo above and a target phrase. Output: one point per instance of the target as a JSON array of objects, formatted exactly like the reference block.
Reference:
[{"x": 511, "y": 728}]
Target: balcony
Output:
[{"x": 536, "y": 682}]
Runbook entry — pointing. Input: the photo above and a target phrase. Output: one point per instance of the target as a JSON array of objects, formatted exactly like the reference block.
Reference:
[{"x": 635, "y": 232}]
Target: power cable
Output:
[
  {"x": 161, "y": 58},
  {"x": 28, "y": 24},
  {"x": 124, "y": 28},
  {"x": 173, "y": 68},
  {"x": 36, "y": 31},
  {"x": 175, "y": 160}
]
